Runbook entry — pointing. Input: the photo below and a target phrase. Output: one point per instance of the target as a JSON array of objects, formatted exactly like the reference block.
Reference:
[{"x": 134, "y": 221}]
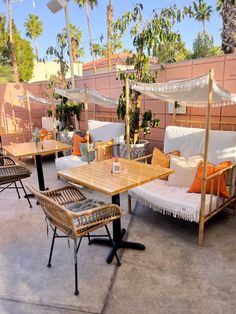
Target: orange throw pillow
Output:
[
  {"x": 161, "y": 159},
  {"x": 211, "y": 169},
  {"x": 43, "y": 134},
  {"x": 78, "y": 140}
]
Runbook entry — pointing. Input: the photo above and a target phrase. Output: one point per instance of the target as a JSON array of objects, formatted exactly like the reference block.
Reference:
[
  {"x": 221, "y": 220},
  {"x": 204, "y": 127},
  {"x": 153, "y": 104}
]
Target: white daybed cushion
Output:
[
  {"x": 190, "y": 142},
  {"x": 166, "y": 199},
  {"x": 69, "y": 162},
  {"x": 104, "y": 131},
  {"x": 185, "y": 170}
]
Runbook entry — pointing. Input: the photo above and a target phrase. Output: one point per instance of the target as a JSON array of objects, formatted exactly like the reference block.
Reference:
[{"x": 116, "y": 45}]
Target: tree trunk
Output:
[
  {"x": 36, "y": 49},
  {"x": 73, "y": 48},
  {"x": 90, "y": 36},
  {"x": 229, "y": 26},
  {"x": 12, "y": 45},
  {"x": 109, "y": 32}
]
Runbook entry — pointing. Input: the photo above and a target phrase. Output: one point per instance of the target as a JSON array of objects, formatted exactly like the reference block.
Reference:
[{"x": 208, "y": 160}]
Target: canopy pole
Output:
[
  {"x": 13, "y": 112},
  {"x": 174, "y": 114},
  {"x": 206, "y": 144},
  {"x": 127, "y": 117},
  {"x": 29, "y": 113},
  {"x": 54, "y": 119},
  {"x": 86, "y": 120}
]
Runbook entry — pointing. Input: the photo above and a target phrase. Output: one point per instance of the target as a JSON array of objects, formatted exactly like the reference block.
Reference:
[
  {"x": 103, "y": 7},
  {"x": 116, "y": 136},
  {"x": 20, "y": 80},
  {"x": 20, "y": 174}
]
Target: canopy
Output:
[
  {"x": 36, "y": 98},
  {"x": 78, "y": 94},
  {"x": 193, "y": 93}
]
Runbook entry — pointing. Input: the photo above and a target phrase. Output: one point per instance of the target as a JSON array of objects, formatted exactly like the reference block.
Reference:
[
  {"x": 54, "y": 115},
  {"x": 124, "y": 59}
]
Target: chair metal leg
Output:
[
  {"x": 109, "y": 235},
  {"x": 129, "y": 204},
  {"x": 52, "y": 246},
  {"x": 89, "y": 239},
  {"x": 76, "y": 268},
  {"x": 26, "y": 195},
  {"x": 17, "y": 189}
]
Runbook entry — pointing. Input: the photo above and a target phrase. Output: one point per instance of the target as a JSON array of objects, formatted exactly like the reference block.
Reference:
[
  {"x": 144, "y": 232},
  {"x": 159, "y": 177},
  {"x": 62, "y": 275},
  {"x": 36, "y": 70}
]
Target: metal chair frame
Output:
[{"x": 53, "y": 202}]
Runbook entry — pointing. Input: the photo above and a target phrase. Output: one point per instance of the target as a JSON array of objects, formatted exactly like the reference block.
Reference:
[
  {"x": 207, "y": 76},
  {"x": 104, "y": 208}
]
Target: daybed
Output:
[
  {"x": 99, "y": 131},
  {"x": 168, "y": 199},
  {"x": 215, "y": 146}
]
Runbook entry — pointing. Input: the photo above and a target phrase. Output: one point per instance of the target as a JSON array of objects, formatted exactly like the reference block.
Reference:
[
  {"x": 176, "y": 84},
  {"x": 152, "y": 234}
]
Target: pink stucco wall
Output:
[{"x": 225, "y": 74}]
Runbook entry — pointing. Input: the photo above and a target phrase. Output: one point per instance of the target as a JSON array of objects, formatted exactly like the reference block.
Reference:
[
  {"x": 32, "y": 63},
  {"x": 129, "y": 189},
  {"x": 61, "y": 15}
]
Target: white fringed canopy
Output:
[
  {"x": 193, "y": 93},
  {"x": 35, "y": 98},
  {"x": 87, "y": 96},
  {"x": 45, "y": 101},
  {"x": 93, "y": 97}
]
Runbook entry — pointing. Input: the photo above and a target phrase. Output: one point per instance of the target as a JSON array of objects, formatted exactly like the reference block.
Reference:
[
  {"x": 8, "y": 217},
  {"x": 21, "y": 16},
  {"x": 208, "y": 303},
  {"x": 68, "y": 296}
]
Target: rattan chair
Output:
[
  {"x": 75, "y": 225},
  {"x": 11, "y": 173}
]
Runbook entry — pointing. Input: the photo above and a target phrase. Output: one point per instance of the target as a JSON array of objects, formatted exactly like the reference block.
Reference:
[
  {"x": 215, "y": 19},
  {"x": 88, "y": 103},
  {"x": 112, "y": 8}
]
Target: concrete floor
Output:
[{"x": 173, "y": 274}]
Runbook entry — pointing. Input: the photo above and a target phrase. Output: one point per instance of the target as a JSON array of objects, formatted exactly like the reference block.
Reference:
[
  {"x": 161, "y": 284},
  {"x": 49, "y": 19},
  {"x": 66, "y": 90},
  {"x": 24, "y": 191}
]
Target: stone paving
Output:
[{"x": 173, "y": 274}]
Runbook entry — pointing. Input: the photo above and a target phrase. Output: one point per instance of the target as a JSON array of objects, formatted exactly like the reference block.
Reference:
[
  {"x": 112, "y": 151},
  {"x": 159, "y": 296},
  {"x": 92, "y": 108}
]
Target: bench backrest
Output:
[
  {"x": 104, "y": 131},
  {"x": 190, "y": 141}
]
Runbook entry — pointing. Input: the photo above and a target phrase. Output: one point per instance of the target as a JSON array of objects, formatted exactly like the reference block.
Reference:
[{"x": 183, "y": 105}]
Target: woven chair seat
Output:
[{"x": 13, "y": 173}]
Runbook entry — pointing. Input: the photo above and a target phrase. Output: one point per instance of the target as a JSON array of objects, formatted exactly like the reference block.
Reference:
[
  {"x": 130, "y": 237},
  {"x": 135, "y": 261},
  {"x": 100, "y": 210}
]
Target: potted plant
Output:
[{"x": 66, "y": 109}]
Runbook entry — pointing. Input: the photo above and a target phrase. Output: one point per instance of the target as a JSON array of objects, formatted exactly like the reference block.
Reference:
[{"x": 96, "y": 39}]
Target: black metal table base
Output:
[
  {"x": 118, "y": 235},
  {"x": 118, "y": 245}
]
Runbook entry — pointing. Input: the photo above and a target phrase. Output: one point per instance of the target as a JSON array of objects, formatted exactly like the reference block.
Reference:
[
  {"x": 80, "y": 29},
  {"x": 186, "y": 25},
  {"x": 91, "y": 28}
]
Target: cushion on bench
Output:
[
  {"x": 190, "y": 142},
  {"x": 171, "y": 200},
  {"x": 104, "y": 131},
  {"x": 69, "y": 162}
]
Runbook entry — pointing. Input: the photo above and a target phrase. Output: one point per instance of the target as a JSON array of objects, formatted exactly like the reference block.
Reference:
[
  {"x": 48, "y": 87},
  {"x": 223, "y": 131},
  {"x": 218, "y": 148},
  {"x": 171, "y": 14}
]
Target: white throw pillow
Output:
[{"x": 185, "y": 170}]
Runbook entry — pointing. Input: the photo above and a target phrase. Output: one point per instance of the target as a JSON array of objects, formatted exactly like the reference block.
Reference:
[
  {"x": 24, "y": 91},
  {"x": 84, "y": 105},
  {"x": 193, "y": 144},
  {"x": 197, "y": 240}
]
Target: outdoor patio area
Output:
[{"x": 172, "y": 275}]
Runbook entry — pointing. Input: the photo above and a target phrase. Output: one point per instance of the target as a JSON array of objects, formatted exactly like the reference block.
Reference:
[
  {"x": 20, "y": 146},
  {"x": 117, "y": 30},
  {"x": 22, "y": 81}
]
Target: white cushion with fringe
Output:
[{"x": 172, "y": 200}]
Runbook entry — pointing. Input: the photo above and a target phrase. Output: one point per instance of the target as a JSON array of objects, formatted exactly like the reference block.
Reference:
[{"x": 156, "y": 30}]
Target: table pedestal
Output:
[
  {"x": 118, "y": 235},
  {"x": 39, "y": 167}
]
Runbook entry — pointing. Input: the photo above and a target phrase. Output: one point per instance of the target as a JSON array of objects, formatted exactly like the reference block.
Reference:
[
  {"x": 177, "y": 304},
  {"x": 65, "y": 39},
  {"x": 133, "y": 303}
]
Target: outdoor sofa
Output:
[{"x": 176, "y": 201}]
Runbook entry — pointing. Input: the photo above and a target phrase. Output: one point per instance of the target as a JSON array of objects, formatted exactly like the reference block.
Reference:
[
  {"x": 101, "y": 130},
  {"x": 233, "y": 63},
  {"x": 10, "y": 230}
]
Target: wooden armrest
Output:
[
  {"x": 220, "y": 172},
  {"x": 143, "y": 158}
]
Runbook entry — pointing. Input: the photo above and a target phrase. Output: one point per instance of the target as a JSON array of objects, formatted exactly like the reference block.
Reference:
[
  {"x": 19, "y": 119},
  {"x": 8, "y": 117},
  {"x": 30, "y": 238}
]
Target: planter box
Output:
[{"x": 136, "y": 150}]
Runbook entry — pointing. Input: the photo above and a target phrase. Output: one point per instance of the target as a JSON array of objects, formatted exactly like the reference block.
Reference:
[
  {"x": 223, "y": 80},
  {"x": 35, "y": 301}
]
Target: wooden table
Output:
[
  {"x": 32, "y": 149},
  {"x": 98, "y": 176}
]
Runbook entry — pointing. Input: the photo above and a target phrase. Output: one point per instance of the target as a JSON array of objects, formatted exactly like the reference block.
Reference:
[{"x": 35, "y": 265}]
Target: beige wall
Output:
[{"x": 43, "y": 71}]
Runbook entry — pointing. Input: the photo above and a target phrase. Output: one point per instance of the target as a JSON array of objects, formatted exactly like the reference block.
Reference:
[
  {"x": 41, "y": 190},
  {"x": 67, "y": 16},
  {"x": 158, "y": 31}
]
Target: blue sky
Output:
[{"x": 54, "y": 23}]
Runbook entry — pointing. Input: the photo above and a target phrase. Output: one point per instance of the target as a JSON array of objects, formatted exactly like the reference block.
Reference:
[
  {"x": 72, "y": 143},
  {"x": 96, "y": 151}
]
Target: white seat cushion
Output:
[
  {"x": 69, "y": 162},
  {"x": 171, "y": 200}
]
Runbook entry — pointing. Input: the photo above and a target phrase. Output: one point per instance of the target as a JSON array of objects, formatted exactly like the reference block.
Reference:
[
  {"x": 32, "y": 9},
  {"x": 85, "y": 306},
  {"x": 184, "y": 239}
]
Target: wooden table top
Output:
[
  {"x": 98, "y": 176},
  {"x": 31, "y": 148}
]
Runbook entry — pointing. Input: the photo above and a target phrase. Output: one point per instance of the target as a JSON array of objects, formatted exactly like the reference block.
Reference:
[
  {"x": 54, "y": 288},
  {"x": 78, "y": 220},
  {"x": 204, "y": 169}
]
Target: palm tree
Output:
[
  {"x": 11, "y": 43},
  {"x": 76, "y": 36},
  {"x": 202, "y": 12},
  {"x": 227, "y": 9},
  {"x": 109, "y": 32},
  {"x": 34, "y": 28},
  {"x": 86, "y": 4}
]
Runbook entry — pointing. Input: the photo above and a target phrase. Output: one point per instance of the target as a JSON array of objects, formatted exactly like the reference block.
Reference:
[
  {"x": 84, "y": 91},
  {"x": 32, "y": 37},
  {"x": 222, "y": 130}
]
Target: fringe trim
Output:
[{"x": 167, "y": 211}]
